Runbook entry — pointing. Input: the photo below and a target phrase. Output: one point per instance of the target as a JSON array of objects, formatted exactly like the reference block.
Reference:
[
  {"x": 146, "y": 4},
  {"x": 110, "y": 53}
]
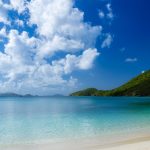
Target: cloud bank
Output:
[{"x": 29, "y": 63}]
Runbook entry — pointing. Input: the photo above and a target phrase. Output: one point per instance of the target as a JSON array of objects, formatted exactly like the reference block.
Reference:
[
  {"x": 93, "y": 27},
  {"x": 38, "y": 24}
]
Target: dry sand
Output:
[
  {"x": 138, "y": 143},
  {"x": 132, "y": 144}
]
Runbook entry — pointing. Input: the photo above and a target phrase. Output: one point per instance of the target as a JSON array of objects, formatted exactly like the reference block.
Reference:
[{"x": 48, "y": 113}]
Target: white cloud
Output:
[
  {"x": 20, "y": 71},
  {"x": 3, "y": 32},
  {"x": 62, "y": 26},
  {"x": 131, "y": 60},
  {"x": 110, "y": 14},
  {"x": 19, "y": 22},
  {"x": 101, "y": 14},
  {"x": 107, "y": 14},
  {"x": 27, "y": 65},
  {"x": 20, "y": 47},
  {"x": 86, "y": 60},
  {"x": 18, "y": 5},
  {"x": 3, "y": 13},
  {"x": 58, "y": 43},
  {"x": 73, "y": 62},
  {"x": 107, "y": 42}
]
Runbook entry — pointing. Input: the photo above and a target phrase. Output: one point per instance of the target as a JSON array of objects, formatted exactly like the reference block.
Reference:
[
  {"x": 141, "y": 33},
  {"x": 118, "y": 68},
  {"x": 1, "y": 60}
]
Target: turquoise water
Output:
[{"x": 34, "y": 119}]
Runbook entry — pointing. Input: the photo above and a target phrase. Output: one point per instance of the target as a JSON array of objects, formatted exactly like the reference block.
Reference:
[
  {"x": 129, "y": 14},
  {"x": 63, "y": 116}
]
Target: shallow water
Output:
[{"x": 34, "y": 119}]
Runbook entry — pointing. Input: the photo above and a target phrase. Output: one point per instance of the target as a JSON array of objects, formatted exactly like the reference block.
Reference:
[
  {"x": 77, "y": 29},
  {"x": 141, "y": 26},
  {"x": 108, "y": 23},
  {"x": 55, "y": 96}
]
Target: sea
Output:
[{"x": 38, "y": 119}]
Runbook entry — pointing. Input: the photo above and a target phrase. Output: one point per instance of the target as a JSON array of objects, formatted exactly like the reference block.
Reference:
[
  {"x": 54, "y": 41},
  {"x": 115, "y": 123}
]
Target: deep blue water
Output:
[{"x": 31, "y": 119}]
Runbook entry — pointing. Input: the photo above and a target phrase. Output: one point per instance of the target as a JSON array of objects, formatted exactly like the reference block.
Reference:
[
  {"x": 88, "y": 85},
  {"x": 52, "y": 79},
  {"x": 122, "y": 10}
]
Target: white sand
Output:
[
  {"x": 122, "y": 142},
  {"x": 133, "y": 146},
  {"x": 145, "y": 145}
]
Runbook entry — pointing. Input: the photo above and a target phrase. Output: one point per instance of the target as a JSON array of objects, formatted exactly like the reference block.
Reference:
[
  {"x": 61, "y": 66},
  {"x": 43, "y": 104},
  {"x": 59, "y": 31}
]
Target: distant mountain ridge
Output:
[
  {"x": 27, "y": 95},
  {"x": 9, "y": 95},
  {"x": 14, "y": 95},
  {"x": 138, "y": 86}
]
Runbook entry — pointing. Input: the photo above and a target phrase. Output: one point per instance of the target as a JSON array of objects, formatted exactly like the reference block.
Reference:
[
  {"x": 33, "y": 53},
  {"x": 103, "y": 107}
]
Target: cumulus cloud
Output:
[
  {"x": 73, "y": 62},
  {"x": 107, "y": 42},
  {"x": 57, "y": 43},
  {"x": 3, "y": 32},
  {"x": 3, "y": 12},
  {"x": 62, "y": 26},
  {"x": 27, "y": 64},
  {"x": 60, "y": 17},
  {"x": 18, "y": 5},
  {"x": 20, "y": 69},
  {"x": 131, "y": 60}
]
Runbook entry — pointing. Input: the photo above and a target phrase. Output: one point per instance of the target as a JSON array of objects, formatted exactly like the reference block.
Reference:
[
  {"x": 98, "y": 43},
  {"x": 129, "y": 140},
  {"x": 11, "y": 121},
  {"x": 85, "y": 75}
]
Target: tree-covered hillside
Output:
[{"x": 139, "y": 86}]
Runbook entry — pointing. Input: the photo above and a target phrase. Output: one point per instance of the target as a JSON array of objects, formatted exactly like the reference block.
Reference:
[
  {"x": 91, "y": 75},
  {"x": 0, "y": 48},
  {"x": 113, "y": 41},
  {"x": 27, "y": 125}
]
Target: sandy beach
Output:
[
  {"x": 139, "y": 143},
  {"x": 134, "y": 146}
]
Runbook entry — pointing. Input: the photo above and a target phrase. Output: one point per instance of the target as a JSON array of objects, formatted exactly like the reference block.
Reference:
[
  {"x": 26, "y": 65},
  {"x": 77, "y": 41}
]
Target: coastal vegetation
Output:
[{"x": 138, "y": 86}]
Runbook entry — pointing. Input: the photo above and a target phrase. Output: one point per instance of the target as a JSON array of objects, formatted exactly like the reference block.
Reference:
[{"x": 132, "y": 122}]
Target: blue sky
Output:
[
  {"x": 49, "y": 47},
  {"x": 130, "y": 29}
]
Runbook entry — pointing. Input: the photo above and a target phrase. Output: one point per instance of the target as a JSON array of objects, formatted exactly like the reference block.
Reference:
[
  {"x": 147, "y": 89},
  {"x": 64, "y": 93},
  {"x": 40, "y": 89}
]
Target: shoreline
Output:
[{"x": 120, "y": 143}]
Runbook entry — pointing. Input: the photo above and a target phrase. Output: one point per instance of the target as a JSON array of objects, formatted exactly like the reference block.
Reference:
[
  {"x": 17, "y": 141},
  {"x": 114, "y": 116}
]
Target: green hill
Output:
[{"x": 138, "y": 86}]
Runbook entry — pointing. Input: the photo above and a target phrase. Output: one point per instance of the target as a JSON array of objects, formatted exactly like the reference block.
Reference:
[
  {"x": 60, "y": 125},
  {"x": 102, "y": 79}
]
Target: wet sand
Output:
[{"x": 120, "y": 143}]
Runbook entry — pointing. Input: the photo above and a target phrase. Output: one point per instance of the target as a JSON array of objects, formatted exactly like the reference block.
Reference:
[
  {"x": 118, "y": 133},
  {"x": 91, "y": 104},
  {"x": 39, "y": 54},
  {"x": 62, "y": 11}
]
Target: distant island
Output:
[
  {"x": 27, "y": 95},
  {"x": 14, "y": 95},
  {"x": 138, "y": 86}
]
